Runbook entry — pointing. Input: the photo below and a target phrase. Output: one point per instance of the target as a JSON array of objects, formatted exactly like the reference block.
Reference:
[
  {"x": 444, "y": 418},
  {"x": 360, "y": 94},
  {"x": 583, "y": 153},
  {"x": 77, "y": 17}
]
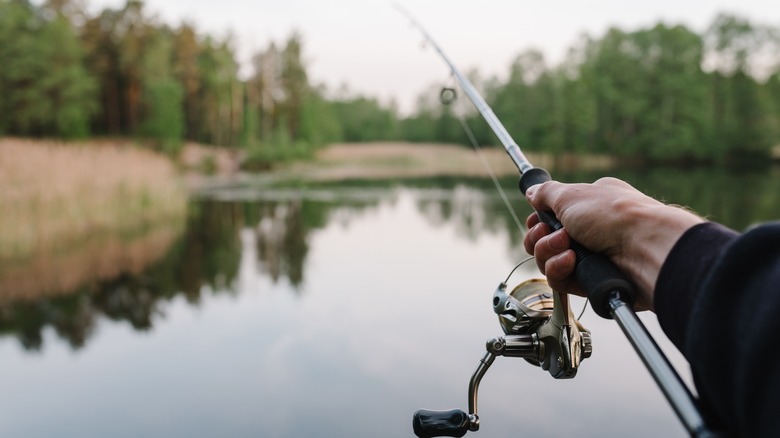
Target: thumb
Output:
[{"x": 540, "y": 196}]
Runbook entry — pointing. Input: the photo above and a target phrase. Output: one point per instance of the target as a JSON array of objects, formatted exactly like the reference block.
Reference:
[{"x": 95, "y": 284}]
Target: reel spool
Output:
[
  {"x": 534, "y": 309},
  {"x": 523, "y": 310}
]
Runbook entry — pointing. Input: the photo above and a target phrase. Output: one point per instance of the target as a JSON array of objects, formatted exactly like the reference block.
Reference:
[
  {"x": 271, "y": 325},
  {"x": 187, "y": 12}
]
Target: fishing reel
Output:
[{"x": 539, "y": 327}]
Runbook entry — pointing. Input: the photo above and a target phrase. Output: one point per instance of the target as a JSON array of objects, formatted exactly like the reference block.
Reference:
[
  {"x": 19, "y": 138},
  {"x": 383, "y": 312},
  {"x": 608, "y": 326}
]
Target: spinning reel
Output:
[{"x": 539, "y": 327}]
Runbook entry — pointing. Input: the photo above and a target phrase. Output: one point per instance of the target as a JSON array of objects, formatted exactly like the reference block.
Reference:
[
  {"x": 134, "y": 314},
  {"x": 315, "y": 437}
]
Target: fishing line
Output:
[
  {"x": 515, "y": 268},
  {"x": 447, "y": 96},
  {"x": 584, "y": 306}
]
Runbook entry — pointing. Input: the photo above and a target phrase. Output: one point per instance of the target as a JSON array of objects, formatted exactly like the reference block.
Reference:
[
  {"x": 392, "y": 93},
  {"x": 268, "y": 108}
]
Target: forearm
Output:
[
  {"x": 679, "y": 284},
  {"x": 718, "y": 299},
  {"x": 651, "y": 231}
]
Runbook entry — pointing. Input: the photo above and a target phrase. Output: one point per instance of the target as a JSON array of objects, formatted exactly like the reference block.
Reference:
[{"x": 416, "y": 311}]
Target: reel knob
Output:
[
  {"x": 586, "y": 347},
  {"x": 427, "y": 424}
]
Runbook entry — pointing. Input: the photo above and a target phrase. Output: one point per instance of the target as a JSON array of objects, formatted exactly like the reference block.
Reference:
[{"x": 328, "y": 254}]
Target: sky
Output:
[{"x": 372, "y": 48}]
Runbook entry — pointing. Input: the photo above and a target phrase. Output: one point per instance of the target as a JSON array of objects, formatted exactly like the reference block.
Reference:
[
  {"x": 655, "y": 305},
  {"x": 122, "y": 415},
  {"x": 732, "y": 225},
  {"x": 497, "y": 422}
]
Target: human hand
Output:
[{"x": 609, "y": 217}]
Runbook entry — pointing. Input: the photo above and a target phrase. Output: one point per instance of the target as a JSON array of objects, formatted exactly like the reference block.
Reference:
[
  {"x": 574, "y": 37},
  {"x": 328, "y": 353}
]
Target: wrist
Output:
[{"x": 650, "y": 236}]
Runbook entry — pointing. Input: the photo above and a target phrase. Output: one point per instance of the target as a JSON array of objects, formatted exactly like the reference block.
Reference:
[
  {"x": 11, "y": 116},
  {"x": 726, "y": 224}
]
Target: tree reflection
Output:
[
  {"x": 282, "y": 229},
  {"x": 210, "y": 252},
  {"x": 474, "y": 207},
  {"x": 206, "y": 257},
  {"x": 281, "y": 240}
]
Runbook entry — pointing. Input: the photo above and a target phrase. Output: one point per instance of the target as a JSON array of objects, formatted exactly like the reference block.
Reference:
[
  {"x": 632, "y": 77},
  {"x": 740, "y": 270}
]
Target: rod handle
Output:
[
  {"x": 429, "y": 424},
  {"x": 597, "y": 275}
]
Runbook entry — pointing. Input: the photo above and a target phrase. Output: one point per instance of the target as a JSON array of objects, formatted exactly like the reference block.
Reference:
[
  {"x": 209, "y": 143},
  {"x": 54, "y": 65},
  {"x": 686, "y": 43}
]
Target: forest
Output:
[{"x": 661, "y": 93}]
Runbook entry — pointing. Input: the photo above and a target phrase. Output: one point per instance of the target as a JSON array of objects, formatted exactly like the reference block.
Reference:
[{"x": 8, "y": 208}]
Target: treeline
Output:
[
  {"x": 123, "y": 73},
  {"x": 663, "y": 93}
]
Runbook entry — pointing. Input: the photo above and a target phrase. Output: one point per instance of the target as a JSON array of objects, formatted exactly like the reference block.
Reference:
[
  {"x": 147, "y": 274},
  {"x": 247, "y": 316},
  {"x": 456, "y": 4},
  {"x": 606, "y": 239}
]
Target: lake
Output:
[{"x": 332, "y": 310}]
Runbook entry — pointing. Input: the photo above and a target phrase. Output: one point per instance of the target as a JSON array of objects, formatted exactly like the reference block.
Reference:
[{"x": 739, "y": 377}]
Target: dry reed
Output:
[{"x": 53, "y": 195}]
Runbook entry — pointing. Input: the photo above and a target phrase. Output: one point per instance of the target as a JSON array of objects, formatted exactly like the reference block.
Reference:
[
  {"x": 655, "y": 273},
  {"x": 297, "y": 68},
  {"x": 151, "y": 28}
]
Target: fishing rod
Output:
[{"x": 537, "y": 321}]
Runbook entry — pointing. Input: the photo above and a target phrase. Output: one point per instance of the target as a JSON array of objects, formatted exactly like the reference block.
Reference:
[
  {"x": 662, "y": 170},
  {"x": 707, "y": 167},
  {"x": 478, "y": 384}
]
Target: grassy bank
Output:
[{"x": 53, "y": 196}]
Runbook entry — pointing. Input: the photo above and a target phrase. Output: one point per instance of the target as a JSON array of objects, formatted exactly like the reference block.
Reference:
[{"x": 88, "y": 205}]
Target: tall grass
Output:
[{"x": 54, "y": 195}]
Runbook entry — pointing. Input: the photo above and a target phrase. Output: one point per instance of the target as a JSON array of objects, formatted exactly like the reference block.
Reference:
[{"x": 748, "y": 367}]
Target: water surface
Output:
[{"x": 330, "y": 310}]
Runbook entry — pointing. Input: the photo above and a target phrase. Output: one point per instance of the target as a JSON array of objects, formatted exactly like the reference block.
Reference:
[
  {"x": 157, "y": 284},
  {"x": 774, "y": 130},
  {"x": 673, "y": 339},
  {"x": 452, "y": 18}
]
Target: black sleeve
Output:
[{"x": 718, "y": 299}]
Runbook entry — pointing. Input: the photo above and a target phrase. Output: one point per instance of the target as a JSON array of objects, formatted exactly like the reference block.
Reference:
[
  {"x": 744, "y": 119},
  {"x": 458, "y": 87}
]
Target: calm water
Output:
[{"x": 330, "y": 310}]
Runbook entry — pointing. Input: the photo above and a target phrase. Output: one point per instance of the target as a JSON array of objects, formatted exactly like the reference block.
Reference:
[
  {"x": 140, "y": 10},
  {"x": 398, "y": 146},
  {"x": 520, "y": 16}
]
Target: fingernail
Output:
[{"x": 530, "y": 192}]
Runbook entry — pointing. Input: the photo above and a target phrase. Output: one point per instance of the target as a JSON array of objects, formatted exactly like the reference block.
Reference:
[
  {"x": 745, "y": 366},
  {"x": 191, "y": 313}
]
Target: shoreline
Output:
[{"x": 386, "y": 160}]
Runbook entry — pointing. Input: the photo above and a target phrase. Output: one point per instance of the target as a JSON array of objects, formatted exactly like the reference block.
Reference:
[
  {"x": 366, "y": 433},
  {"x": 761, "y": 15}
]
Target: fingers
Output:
[
  {"x": 543, "y": 245},
  {"x": 559, "y": 271},
  {"x": 532, "y": 220},
  {"x": 552, "y": 254},
  {"x": 536, "y": 231},
  {"x": 550, "y": 246}
]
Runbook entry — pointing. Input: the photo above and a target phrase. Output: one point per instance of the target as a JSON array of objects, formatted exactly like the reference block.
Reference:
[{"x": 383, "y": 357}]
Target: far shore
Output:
[
  {"x": 401, "y": 160},
  {"x": 390, "y": 160},
  {"x": 202, "y": 165}
]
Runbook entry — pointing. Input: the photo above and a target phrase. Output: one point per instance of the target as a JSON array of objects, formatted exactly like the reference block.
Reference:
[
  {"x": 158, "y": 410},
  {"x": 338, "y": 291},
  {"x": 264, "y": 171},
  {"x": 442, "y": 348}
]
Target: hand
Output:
[{"x": 609, "y": 217}]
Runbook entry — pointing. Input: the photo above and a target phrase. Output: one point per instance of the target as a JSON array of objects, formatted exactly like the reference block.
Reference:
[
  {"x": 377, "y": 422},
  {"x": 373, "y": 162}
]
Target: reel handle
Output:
[
  {"x": 598, "y": 276},
  {"x": 427, "y": 424}
]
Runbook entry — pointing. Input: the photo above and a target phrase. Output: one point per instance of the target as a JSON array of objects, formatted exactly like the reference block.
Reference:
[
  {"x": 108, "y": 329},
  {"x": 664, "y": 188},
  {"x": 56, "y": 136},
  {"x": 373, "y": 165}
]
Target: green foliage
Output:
[
  {"x": 165, "y": 119},
  {"x": 526, "y": 101},
  {"x": 208, "y": 165},
  {"x": 421, "y": 127},
  {"x": 162, "y": 95},
  {"x": 220, "y": 121},
  {"x": 46, "y": 90},
  {"x": 648, "y": 91},
  {"x": 659, "y": 93},
  {"x": 319, "y": 122},
  {"x": 364, "y": 119},
  {"x": 264, "y": 156},
  {"x": 279, "y": 147}
]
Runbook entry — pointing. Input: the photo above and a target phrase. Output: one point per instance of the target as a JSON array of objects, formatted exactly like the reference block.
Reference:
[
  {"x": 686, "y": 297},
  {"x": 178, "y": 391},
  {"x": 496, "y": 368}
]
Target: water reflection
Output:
[
  {"x": 120, "y": 283},
  {"x": 206, "y": 255},
  {"x": 57, "y": 272},
  {"x": 348, "y": 304},
  {"x": 472, "y": 211}
]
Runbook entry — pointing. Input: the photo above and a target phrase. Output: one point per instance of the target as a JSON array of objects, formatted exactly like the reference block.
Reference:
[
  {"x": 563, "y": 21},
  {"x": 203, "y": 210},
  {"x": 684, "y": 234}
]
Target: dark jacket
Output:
[{"x": 718, "y": 299}]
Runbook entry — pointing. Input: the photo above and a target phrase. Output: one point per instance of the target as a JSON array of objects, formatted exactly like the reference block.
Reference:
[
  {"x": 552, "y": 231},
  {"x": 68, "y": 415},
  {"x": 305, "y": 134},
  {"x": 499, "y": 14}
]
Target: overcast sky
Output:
[{"x": 368, "y": 45}]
